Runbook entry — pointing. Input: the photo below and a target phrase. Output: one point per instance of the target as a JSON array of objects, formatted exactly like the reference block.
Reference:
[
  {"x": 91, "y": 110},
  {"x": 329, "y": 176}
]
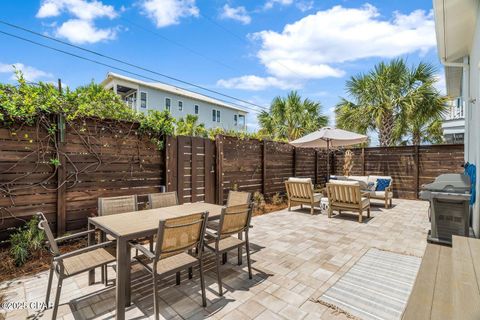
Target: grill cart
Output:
[{"x": 449, "y": 197}]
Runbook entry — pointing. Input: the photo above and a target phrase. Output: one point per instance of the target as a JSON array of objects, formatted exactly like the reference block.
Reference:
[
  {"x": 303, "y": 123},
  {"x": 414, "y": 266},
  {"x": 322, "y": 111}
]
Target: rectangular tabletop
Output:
[{"x": 144, "y": 222}]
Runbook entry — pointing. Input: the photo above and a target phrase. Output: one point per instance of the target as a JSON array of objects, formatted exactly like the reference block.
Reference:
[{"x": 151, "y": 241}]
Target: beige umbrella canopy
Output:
[{"x": 328, "y": 137}]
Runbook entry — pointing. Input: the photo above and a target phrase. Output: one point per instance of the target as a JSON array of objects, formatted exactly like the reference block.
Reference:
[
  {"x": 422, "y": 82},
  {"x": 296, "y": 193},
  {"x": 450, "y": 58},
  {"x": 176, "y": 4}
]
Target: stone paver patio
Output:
[{"x": 296, "y": 257}]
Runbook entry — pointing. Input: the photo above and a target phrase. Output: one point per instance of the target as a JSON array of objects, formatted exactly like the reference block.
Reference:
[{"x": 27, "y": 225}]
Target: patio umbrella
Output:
[{"x": 328, "y": 137}]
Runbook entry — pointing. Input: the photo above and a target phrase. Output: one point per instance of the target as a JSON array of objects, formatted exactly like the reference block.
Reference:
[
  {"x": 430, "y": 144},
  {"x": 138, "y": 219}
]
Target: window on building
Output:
[
  {"x": 196, "y": 109},
  {"x": 168, "y": 103},
  {"x": 214, "y": 115},
  {"x": 143, "y": 100},
  {"x": 241, "y": 120},
  {"x": 180, "y": 106},
  {"x": 235, "y": 119},
  {"x": 218, "y": 115}
]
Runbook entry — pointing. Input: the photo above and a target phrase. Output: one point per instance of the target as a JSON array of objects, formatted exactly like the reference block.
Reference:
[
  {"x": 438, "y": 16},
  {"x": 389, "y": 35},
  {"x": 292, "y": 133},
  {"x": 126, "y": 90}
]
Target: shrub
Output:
[
  {"x": 277, "y": 199},
  {"x": 26, "y": 242},
  {"x": 258, "y": 201}
]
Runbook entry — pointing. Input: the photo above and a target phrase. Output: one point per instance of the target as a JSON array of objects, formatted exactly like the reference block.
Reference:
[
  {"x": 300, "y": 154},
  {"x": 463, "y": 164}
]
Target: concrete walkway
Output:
[{"x": 296, "y": 257}]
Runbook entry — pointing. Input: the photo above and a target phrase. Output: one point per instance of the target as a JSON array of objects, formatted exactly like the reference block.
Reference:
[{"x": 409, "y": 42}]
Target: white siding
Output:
[
  {"x": 156, "y": 101},
  {"x": 471, "y": 95}
]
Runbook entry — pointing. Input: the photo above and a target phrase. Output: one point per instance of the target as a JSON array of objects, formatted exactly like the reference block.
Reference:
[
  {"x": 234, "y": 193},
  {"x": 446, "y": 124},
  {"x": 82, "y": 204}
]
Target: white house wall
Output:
[
  {"x": 156, "y": 101},
  {"x": 471, "y": 95}
]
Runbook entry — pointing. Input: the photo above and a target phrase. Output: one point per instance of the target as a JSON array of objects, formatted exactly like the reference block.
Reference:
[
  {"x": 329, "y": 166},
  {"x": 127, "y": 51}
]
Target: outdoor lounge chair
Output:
[
  {"x": 346, "y": 195},
  {"x": 233, "y": 220},
  {"x": 176, "y": 238},
  {"x": 300, "y": 191},
  {"x": 71, "y": 263},
  {"x": 161, "y": 200}
]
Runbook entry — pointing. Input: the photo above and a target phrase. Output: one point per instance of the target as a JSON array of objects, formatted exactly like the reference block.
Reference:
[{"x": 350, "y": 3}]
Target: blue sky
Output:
[{"x": 253, "y": 50}]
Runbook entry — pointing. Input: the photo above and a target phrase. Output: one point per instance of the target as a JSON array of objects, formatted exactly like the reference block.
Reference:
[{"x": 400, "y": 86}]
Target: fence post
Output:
[
  {"x": 219, "y": 160},
  {"x": 294, "y": 161},
  {"x": 264, "y": 166},
  {"x": 316, "y": 167},
  {"x": 417, "y": 171},
  {"x": 61, "y": 176},
  {"x": 363, "y": 161},
  {"x": 171, "y": 164}
]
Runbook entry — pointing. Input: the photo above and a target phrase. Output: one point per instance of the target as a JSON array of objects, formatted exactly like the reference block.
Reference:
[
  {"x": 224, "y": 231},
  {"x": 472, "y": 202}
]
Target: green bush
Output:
[{"x": 26, "y": 242}]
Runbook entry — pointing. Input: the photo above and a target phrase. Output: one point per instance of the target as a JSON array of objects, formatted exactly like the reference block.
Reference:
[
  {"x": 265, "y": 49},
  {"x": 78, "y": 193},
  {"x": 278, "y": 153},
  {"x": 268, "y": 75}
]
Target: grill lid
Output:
[{"x": 449, "y": 182}]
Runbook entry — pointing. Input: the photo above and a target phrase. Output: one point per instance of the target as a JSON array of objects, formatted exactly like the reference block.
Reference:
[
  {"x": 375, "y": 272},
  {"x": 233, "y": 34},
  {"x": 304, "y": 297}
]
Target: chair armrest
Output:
[
  {"x": 365, "y": 194},
  {"x": 150, "y": 255},
  {"x": 82, "y": 250},
  {"x": 73, "y": 236}
]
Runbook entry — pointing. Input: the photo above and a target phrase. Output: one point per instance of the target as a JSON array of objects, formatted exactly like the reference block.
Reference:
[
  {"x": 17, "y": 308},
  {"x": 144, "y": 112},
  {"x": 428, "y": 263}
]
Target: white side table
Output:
[{"x": 324, "y": 204}]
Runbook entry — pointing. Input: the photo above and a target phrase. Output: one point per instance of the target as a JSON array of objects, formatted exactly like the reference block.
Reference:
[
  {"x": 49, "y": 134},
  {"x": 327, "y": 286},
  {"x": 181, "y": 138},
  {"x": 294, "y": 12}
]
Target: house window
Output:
[
  {"x": 196, "y": 109},
  {"x": 235, "y": 119},
  {"x": 214, "y": 115},
  {"x": 180, "y": 105},
  {"x": 168, "y": 102},
  {"x": 218, "y": 115},
  {"x": 143, "y": 100},
  {"x": 241, "y": 120}
]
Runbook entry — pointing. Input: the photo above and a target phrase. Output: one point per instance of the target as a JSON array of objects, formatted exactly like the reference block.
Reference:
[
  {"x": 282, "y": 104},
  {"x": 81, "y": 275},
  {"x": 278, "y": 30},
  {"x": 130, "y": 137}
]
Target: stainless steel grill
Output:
[{"x": 449, "y": 197}]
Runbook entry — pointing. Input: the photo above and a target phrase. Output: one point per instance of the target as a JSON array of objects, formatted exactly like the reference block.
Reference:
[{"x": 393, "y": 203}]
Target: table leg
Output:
[
  {"x": 90, "y": 242},
  {"x": 121, "y": 278},
  {"x": 128, "y": 281}
]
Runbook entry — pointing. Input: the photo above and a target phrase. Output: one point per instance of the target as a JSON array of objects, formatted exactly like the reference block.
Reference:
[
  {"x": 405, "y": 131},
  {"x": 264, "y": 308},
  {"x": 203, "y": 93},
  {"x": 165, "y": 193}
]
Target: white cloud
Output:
[
  {"x": 29, "y": 73},
  {"x": 169, "y": 12},
  {"x": 319, "y": 41},
  {"x": 270, "y": 3},
  {"x": 82, "y": 9},
  {"x": 82, "y": 31},
  {"x": 238, "y": 13},
  {"x": 317, "y": 45},
  {"x": 305, "y": 5},
  {"x": 255, "y": 83}
]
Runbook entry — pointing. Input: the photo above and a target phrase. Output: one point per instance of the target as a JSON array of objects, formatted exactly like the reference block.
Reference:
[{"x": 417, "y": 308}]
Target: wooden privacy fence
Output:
[{"x": 63, "y": 175}]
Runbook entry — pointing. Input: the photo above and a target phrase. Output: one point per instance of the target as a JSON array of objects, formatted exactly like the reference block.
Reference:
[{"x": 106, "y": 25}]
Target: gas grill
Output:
[{"x": 449, "y": 197}]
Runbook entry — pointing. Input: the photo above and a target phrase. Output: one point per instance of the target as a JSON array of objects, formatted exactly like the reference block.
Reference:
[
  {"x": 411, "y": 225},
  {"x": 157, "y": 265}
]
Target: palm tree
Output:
[
  {"x": 395, "y": 101},
  {"x": 188, "y": 126},
  {"x": 291, "y": 118}
]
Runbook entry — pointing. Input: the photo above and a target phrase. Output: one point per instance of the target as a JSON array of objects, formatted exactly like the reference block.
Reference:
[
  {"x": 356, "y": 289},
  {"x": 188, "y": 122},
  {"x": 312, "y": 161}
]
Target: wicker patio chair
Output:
[
  {"x": 71, "y": 263},
  {"x": 176, "y": 238},
  {"x": 161, "y": 200},
  {"x": 300, "y": 191},
  {"x": 346, "y": 195},
  {"x": 233, "y": 220}
]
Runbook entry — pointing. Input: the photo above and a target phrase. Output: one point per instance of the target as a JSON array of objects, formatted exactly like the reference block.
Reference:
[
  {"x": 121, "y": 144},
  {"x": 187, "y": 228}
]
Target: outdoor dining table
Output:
[{"x": 125, "y": 227}]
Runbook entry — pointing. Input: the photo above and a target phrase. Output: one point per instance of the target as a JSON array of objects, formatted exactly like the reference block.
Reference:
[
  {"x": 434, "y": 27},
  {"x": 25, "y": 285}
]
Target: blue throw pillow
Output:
[{"x": 382, "y": 184}]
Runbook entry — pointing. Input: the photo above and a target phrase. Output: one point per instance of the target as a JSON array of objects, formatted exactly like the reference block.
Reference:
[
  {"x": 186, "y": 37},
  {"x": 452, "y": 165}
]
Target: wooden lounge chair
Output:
[
  {"x": 176, "y": 239},
  {"x": 161, "y": 200},
  {"x": 233, "y": 220},
  {"x": 71, "y": 263},
  {"x": 300, "y": 191},
  {"x": 346, "y": 195}
]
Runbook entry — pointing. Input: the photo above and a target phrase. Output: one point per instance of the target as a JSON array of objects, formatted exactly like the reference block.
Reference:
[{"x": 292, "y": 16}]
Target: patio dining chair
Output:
[
  {"x": 71, "y": 263},
  {"x": 236, "y": 198},
  {"x": 116, "y": 205},
  {"x": 176, "y": 238},
  {"x": 162, "y": 200},
  {"x": 233, "y": 220}
]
